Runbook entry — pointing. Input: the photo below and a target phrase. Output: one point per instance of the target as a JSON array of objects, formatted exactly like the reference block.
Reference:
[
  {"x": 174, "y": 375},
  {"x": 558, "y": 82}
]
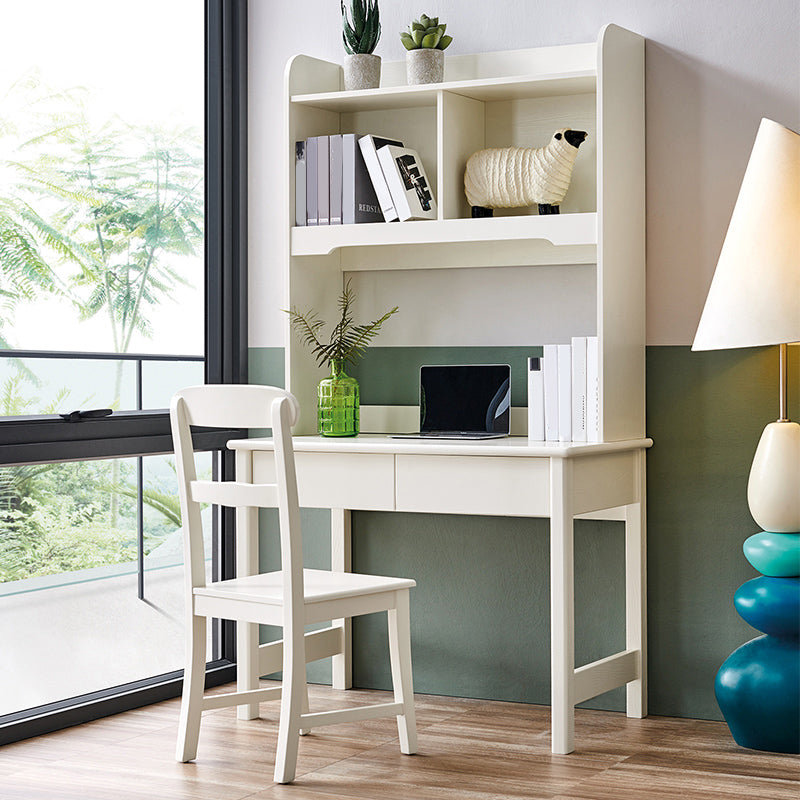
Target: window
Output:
[{"x": 122, "y": 253}]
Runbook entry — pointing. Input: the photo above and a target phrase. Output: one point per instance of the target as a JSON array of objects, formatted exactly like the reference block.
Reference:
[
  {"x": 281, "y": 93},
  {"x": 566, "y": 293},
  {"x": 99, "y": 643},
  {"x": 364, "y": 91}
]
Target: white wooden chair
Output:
[{"x": 292, "y": 597}]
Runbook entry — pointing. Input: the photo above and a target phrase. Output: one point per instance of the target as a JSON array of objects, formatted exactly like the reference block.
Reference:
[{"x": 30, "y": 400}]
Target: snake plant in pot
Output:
[
  {"x": 361, "y": 30},
  {"x": 425, "y": 41},
  {"x": 338, "y": 395}
]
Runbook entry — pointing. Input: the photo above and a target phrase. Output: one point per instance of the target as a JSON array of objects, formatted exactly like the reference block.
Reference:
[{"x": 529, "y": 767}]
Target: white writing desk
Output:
[{"x": 500, "y": 477}]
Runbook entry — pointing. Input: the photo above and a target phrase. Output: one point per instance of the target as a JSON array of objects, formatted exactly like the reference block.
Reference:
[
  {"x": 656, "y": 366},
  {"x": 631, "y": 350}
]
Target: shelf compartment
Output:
[
  {"x": 551, "y": 239},
  {"x": 494, "y": 89}
]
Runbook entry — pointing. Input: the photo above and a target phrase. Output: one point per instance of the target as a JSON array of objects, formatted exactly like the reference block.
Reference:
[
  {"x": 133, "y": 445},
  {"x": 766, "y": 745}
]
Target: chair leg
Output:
[
  {"x": 400, "y": 653},
  {"x": 193, "y": 685},
  {"x": 305, "y": 731},
  {"x": 293, "y": 698}
]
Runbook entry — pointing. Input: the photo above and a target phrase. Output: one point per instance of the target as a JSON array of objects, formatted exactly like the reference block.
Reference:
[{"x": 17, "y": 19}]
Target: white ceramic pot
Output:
[
  {"x": 362, "y": 71},
  {"x": 773, "y": 490},
  {"x": 424, "y": 66}
]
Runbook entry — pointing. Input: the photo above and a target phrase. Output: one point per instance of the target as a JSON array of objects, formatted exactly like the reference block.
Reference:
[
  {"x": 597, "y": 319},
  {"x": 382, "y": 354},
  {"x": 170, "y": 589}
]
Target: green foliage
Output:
[
  {"x": 360, "y": 33},
  {"x": 425, "y": 33},
  {"x": 58, "y": 535},
  {"x": 348, "y": 341},
  {"x": 112, "y": 203}
]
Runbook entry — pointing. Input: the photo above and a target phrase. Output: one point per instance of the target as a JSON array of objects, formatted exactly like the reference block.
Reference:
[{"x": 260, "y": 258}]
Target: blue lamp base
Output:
[
  {"x": 758, "y": 691},
  {"x": 758, "y": 686}
]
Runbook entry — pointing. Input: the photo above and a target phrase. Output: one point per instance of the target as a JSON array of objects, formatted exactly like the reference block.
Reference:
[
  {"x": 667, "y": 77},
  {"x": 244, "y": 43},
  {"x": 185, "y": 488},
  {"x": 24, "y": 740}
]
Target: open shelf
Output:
[
  {"x": 494, "y": 89},
  {"x": 562, "y": 239}
]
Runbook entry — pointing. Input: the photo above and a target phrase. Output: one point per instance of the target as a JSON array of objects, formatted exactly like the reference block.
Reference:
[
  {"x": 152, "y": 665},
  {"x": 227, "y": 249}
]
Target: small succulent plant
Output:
[
  {"x": 427, "y": 33},
  {"x": 360, "y": 33}
]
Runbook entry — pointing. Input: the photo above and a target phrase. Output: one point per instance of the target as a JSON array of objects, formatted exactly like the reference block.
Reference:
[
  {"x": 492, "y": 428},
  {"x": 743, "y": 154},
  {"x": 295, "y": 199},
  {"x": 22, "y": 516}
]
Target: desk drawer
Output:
[
  {"x": 337, "y": 480},
  {"x": 474, "y": 485}
]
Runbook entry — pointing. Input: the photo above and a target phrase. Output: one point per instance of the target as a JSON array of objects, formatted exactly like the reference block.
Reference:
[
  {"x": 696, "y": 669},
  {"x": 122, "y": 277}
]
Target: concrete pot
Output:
[
  {"x": 424, "y": 65},
  {"x": 362, "y": 71}
]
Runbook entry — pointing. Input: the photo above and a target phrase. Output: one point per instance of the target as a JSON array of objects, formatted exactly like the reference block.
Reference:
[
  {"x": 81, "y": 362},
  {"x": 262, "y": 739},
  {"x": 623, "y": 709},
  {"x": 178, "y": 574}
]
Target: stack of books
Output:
[
  {"x": 345, "y": 178},
  {"x": 563, "y": 392}
]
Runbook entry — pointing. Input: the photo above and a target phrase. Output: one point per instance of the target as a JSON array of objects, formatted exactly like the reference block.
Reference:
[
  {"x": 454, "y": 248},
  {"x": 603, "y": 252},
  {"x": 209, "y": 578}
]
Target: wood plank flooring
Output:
[{"x": 468, "y": 750}]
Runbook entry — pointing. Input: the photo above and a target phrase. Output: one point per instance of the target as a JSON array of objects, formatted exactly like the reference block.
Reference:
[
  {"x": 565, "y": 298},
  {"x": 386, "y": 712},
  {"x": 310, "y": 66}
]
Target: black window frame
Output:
[{"x": 134, "y": 433}]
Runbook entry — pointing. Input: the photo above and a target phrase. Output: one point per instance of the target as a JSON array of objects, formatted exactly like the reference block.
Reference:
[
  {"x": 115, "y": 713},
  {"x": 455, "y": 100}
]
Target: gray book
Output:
[
  {"x": 300, "y": 183},
  {"x": 323, "y": 181},
  {"x": 311, "y": 181},
  {"x": 335, "y": 179},
  {"x": 359, "y": 201}
]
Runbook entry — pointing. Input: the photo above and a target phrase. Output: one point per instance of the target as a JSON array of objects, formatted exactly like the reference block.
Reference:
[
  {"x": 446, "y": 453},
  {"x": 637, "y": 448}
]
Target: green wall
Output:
[{"x": 481, "y": 607}]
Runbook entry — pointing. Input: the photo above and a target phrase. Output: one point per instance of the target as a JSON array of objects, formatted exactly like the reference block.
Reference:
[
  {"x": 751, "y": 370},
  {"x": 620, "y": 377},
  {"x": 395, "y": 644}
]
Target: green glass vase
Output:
[{"x": 337, "y": 403}]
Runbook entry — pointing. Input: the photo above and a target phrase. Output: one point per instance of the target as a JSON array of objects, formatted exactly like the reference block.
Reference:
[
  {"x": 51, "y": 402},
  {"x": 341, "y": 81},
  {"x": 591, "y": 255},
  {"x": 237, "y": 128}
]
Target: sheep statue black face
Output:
[{"x": 509, "y": 177}]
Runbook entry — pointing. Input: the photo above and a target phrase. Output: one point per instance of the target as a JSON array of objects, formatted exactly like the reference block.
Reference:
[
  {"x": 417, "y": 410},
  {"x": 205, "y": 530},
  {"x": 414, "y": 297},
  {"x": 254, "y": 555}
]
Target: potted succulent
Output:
[
  {"x": 360, "y": 34},
  {"x": 337, "y": 395},
  {"x": 425, "y": 41}
]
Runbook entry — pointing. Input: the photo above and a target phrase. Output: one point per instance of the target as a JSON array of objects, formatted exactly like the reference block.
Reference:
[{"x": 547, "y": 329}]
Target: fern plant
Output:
[
  {"x": 347, "y": 342},
  {"x": 361, "y": 32}
]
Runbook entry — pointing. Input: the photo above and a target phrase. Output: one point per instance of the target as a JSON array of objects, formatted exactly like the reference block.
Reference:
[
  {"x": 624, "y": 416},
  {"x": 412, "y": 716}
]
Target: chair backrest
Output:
[{"x": 238, "y": 406}]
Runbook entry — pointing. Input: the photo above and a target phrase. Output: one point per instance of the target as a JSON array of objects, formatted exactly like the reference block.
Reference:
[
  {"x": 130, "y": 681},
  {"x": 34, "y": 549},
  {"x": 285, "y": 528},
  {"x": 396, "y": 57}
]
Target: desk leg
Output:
[
  {"x": 636, "y": 593},
  {"x": 341, "y": 561},
  {"x": 246, "y": 564},
  {"x": 562, "y": 607}
]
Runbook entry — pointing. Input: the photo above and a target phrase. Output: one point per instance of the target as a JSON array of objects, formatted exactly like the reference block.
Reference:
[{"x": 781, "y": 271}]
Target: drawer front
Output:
[
  {"x": 337, "y": 480},
  {"x": 493, "y": 485}
]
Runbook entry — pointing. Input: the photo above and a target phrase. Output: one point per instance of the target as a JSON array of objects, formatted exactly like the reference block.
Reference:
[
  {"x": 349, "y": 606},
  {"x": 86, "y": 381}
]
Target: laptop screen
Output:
[{"x": 469, "y": 398}]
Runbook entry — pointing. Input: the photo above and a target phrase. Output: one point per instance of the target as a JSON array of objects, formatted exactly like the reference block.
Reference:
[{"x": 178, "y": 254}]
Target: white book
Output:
[
  {"x": 564, "y": 393},
  {"x": 311, "y": 181},
  {"x": 300, "y": 183},
  {"x": 578, "y": 388},
  {"x": 592, "y": 389},
  {"x": 369, "y": 149},
  {"x": 335, "y": 178},
  {"x": 323, "y": 180},
  {"x": 535, "y": 400},
  {"x": 411, "y": 192},
  {"x": 550, "y": 373}
]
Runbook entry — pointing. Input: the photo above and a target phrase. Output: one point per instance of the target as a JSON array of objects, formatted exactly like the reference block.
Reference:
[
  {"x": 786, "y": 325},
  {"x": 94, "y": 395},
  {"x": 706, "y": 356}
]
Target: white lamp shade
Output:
[{"x": 754, "y": 297}]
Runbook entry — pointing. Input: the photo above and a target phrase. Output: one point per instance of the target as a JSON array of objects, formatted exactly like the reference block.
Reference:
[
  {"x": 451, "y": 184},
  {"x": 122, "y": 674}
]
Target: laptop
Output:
[{"x": 464, "y": 401}]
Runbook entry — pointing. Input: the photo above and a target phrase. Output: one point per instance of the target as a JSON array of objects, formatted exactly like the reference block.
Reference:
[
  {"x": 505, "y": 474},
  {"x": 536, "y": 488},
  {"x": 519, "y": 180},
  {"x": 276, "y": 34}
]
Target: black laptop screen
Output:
[{"x": 470, "y": 398}]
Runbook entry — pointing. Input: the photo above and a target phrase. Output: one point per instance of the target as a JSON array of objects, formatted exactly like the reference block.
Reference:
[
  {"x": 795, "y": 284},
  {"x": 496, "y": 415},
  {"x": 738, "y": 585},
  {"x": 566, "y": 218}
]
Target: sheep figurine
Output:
[{"x": 508, "y": 177}]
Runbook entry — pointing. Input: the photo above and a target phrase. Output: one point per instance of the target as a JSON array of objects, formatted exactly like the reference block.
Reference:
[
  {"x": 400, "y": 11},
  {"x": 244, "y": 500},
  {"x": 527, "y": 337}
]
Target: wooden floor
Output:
[{"x": 468, "y": 749}]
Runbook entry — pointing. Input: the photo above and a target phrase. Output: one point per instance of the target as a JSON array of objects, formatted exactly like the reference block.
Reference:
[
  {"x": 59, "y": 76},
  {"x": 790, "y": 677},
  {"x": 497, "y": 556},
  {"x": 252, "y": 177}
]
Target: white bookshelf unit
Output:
[{"x": 491, "y": 100}]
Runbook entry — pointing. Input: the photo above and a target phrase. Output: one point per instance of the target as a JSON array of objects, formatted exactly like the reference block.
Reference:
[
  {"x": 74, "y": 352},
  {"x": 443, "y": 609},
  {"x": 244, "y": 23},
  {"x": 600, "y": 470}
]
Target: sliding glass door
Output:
[{"x": 121, "y": 132}]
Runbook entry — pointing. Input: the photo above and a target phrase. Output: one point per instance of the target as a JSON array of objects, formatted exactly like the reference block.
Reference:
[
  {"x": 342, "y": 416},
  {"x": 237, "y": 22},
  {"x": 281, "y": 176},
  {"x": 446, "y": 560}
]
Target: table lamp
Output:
[{"x": 754, "y": 300}]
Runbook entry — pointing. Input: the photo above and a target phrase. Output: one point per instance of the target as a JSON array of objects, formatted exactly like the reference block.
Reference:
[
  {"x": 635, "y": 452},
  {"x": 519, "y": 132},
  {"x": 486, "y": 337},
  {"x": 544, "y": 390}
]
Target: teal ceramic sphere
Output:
[
  {"x": 774, "y": 554},
  {"x": 771, "y": 605}
]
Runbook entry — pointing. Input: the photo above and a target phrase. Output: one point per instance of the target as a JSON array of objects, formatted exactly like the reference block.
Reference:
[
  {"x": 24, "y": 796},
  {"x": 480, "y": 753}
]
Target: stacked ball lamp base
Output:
[{"x": 758, "y": 686}]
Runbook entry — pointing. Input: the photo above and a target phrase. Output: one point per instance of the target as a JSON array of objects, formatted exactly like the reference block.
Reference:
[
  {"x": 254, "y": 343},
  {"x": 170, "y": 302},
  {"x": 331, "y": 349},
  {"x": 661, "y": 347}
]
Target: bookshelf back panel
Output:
[
  {"x": 498, "y": 306},
  {"x": 531, "y": 123},
  {"x": 415, "y": 127}
]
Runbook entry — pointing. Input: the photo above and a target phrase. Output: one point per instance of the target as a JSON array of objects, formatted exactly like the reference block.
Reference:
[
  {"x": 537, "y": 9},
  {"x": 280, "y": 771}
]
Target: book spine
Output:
[
  {"x": 564, "y": 393},
  {"x": 323, "y": 181},
  {"x": 579, "y": 389},
  {"x": 592, "y": 389},
  {"x": 311, "y": 181},
  {"x": 535, "y": 400},
  {"x": 550, "y": 369},
  {"x": 335, "y": 178},
  {"x": 349, "y": 148},
  {"x": 370, "y": 154},
  {"x": 300, "y": 183}
]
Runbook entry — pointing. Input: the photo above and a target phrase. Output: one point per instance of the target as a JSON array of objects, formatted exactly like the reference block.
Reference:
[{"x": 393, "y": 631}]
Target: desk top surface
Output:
[{"x": 508, "y": 446}]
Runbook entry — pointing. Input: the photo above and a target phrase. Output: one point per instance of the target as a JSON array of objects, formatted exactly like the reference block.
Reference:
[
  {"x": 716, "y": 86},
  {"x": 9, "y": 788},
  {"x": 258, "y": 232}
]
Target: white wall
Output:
[{"x": 714, "y": 68}]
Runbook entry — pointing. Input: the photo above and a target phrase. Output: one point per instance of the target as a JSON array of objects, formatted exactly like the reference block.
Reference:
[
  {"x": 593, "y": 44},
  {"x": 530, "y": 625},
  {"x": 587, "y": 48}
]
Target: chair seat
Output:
[{"x": 319, "y": 586}]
